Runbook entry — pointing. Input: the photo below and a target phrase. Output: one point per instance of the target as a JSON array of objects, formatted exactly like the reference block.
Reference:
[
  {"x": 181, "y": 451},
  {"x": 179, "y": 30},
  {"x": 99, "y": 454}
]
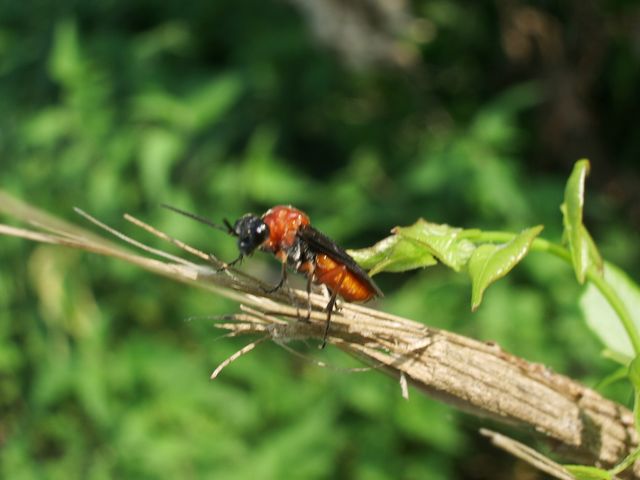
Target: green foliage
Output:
[
  {"x": 584, "y": 253},
  {"x": 223, "y": 108},
  {"x": 603, "y": 320},
  {"x": 420, "y": 244},
  {"x": 588, "y": 473},
  {"x": 490, "y": 262},
  {"x": 393, "y": 254},
  {"x": 444, "y": 242}
]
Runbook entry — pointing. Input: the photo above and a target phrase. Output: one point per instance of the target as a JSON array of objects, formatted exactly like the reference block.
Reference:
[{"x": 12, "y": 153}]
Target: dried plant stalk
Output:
[
  {"x": 527, "y": 454},
  {"x": 477, "y": 377}
]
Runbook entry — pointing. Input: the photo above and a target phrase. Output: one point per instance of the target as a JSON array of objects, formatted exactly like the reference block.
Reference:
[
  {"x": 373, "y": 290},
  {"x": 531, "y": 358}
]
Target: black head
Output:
[{"x": 251, "y": 232}]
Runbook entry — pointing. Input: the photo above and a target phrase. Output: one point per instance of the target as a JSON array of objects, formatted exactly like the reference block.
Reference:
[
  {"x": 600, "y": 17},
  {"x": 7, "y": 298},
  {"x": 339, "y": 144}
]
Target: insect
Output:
[{"x": 286, "y": 232}]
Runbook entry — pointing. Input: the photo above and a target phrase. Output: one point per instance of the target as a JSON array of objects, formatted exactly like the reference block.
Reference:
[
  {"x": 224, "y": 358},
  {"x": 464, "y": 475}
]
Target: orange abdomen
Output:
[{"x": 339, "y": 279}]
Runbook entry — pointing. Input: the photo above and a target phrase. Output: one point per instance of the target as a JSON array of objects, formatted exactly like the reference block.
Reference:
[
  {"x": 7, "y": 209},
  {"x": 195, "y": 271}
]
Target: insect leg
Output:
[
  {"x": 216, "y": 262},
  {"x": 309, "y": 280},
  {"x": 331, "y": 304},
  {"x": 283, "y": 279}
]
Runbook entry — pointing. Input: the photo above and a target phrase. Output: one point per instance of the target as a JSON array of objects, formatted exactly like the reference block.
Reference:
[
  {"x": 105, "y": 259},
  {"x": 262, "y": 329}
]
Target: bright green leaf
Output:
[
  {"x": 442, "y": 241},
  {"x": 490, "y": 262},
  {"x": 582, "y": 247},
  {"x": 582, "y": 472},
  {"x": 601, "y": 317},
  {"x": 393, "y": 254}
]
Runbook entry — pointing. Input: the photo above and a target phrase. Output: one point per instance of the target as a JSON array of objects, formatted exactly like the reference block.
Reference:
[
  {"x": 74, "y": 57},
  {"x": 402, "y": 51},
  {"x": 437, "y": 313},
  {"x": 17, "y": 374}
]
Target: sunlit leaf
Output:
[
  {"x": 489, "y": 262},
  {"x": 442, "y": 241},
  {"x": 601, "y": 317},
  {"x": 393, "y": 254},
  {"x": 582, "y": 472},
  {"x": 583, "y": 249}
]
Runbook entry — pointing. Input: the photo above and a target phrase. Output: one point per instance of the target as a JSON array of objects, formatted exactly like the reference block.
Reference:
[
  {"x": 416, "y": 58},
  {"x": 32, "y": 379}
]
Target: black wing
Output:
[{"x": 320, "y": 243}]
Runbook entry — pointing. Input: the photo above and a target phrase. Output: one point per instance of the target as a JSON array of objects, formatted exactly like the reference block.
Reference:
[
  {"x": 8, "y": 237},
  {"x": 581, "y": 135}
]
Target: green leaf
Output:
[
  {"x": 628, "y": 460},
  {"x": 601, "y": 317},
  {"x": 490, "y": 262},
  {"x": 204, "y": 107},
  {"x": 634, "y": 373},
  {"x": 442, "y": 241},
  {"x": 634, "y": 377},
  {"x": 617, "y": 357},
  {"x": 582, "y": 472},
  {"x": 582, "y": 247},
  {"x": 620, "y": 373},
  {"x": 592, "y": 250},
  {"x": 393, "y": 254},
  {"x": 159, "y": 150},
  {"x": 65, "y": 61},
  {"x": 211, "y": 101}
]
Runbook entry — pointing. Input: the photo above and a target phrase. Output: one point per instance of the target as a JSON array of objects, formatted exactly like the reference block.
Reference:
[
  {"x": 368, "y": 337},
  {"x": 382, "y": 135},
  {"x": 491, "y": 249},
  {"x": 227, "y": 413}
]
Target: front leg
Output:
[
  {"x": 224, "y": 266},
  {"x": 283, "y": 279}
]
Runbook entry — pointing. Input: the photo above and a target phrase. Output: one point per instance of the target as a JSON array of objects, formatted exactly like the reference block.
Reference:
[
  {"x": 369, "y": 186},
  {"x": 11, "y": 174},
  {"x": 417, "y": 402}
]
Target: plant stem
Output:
[{"x": 595, "y": 277}]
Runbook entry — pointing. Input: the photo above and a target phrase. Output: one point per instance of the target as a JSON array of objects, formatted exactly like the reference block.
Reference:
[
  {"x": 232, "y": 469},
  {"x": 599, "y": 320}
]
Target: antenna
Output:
[{"x": 227, "y": 229}]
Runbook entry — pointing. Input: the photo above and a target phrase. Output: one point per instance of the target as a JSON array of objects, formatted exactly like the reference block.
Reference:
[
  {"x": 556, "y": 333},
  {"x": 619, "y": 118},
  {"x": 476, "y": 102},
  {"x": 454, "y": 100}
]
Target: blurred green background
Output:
[{"x": 366, "y": 114}]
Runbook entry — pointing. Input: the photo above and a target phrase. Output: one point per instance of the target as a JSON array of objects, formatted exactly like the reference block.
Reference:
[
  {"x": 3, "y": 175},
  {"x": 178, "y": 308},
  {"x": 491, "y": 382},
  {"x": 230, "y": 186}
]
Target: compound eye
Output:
[
  {"x": 245, "y": 245},
  {"x": 262, "y": 232}
]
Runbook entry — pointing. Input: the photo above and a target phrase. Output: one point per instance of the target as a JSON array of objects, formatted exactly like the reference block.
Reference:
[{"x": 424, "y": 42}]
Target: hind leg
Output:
[{"x": 332, "y": 302}]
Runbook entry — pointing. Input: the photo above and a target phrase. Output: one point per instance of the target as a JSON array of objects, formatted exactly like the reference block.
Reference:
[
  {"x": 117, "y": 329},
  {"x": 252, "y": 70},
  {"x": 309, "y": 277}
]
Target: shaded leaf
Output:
[
  {"x": 159, "y": 150},
  {"x": 212, "y": 100},
  {"x": 601, "y": 317},
  {"x": 66, "y": 61},
  {"x": 393, "y": 254},
  {"x": 442, "y": 241},
  {"x": 582, "y": 247},
  {"x": 620, "y": 373},
  {"x": 592, "y": 249},
  {"x": 490, "y": 262},
  {"x": 634, "y": 373}
]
